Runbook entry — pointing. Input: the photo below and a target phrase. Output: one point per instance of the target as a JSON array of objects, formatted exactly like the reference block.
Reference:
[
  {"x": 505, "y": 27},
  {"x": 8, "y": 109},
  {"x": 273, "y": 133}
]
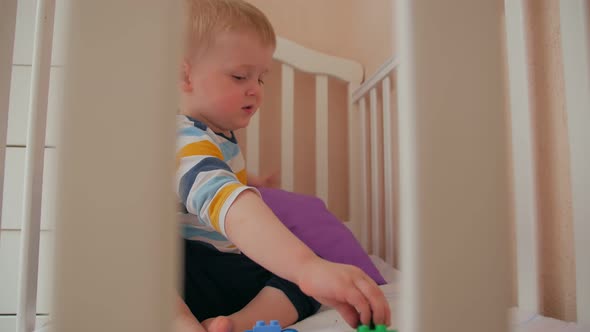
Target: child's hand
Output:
[
  {"x": 270, "y": 181},
  {"x": 346, "y": 288},
  {"x": 267, "y": 181}
]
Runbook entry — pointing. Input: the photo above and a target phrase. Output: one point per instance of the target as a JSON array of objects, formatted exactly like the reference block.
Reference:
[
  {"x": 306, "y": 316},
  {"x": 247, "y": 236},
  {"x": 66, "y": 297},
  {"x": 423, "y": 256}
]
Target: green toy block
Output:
[{"x": 378, "y": 328}]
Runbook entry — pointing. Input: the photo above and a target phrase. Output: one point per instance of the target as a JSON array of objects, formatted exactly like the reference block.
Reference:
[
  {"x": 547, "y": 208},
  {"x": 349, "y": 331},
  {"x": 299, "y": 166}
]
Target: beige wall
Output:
[{"x": 355, "y": 29}]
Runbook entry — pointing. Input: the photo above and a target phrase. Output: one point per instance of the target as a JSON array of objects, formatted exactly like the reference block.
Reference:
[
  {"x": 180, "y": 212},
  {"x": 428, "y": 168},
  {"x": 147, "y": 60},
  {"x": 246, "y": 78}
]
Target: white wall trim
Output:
[{"x": 7, "y": 30}]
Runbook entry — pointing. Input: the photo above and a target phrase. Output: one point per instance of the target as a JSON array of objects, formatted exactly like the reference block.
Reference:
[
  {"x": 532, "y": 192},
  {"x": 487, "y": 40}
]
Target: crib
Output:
[{"x": 417, "y": 167}]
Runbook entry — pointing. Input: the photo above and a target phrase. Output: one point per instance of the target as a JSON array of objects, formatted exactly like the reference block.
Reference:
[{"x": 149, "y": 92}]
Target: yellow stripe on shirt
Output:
[
  {"x": 242, "y": 176},
  {"x": 199, "y": 149},
  {"x": 218, "y": 202}
]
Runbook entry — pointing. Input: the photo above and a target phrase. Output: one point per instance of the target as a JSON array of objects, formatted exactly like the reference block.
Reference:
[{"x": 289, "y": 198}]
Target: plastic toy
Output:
[
  {"x": 377, "y": 328},
  {"x": 273, "y": 326}
]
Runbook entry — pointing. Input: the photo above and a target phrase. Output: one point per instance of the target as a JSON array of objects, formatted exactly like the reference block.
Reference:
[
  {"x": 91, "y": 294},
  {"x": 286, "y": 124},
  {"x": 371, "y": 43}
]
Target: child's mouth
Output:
[{"x": 249, "y": 109}]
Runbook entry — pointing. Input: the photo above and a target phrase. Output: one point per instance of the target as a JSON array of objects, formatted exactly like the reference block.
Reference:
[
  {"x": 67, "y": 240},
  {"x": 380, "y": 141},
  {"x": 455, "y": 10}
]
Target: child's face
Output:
[{"x": 223, "y": 87}]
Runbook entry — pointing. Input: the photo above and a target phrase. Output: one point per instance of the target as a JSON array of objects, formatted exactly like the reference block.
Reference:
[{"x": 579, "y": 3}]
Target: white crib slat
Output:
[
  {"x": 364, "y": 187},
  {"x": 376, "y": 206},
  {"x": 8, "y": 25},
  {"x": 454, "y": 191},
  {"x": 114, "y": 180},
  {"x": 287, "y": 127},
  {"x": 354, "y": 204},
  {"x": 253, "y": 144},
  {"x": 523, "y": 159},
  {"x": 321, "y": 136},
  {"x": 27, "y": 301},
  {"x": 388, "y": 172},
  {"x": 575, "y": 38}
]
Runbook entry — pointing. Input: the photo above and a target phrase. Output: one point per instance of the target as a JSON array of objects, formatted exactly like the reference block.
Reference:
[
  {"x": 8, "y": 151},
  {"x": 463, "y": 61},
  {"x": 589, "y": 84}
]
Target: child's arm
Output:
[{"x": 252, "y": 226}]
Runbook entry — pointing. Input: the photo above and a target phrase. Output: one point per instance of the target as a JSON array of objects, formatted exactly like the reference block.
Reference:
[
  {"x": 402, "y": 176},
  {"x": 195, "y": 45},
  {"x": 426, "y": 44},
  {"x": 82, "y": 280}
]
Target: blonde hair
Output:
[{"x": 205, "y": 18}]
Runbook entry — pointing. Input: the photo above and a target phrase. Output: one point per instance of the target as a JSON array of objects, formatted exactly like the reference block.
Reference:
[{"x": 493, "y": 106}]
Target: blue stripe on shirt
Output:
[
  {"x": 229, "y": 150},
  {"x": 189, "y": 231},
  {"x": 208, "y": 190},
  {"x": 191, "y": 131},
  {"x": 188, "y": 179}
]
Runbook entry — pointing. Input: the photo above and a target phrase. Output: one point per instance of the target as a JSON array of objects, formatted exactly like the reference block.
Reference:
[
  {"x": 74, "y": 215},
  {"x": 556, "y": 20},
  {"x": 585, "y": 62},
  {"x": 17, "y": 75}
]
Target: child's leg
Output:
[
  {"x": 222, "y": 284},
  {"x": 219, "y": 324},
  {"x": 269, "y": 304},
  {"x": 186, "y": 322},
  {"x": 279, "y": 300},
  {"x": 217, "y": 283}
]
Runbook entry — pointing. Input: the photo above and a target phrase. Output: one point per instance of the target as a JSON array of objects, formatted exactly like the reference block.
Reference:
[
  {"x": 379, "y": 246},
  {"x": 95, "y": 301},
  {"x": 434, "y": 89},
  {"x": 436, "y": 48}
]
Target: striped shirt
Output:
[{"x": 210, "y": 174}]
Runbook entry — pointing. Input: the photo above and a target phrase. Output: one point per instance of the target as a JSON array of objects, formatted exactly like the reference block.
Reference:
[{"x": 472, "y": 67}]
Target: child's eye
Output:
[
  {"x": 261, "y": 82},
  {"x": 238, "y": 77}
]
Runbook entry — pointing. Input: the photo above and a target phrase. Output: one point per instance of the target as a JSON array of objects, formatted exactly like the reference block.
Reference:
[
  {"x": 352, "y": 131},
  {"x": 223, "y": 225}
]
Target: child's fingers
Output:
[
  {"x": 359, "y": 301},
  {"x": 348, "y": 313},
  {"x": 376, "y": 299}
]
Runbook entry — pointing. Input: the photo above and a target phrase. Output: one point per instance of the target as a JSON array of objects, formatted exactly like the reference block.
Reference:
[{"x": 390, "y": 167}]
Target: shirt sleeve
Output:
[{"x": 205, "y": 184}]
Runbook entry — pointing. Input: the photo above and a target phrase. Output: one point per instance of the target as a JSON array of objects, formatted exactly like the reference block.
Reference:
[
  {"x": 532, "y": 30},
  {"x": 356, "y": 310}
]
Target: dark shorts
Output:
[{"x": 218, "y": 283}]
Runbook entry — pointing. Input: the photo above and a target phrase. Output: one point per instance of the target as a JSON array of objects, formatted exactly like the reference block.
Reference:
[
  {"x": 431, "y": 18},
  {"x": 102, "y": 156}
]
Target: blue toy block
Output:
[
  {"x": 272, "y": 327},
  {"x": 262, "y": 327}
]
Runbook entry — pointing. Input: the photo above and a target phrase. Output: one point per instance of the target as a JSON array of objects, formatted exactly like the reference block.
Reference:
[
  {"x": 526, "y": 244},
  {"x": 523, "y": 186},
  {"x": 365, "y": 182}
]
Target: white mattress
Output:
[{"x": 328, "y": 320}]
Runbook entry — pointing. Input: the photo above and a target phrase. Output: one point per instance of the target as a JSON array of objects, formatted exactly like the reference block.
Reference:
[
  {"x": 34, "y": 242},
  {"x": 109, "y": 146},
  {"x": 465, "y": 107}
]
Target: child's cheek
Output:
[{"x": 229, "y": 105}]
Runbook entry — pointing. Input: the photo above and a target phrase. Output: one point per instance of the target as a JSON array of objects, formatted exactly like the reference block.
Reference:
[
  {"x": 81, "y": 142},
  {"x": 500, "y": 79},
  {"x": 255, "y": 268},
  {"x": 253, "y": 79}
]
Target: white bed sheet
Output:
[
  {"x": 328, "y": 320},
  {"x": 524, "y": 321}
]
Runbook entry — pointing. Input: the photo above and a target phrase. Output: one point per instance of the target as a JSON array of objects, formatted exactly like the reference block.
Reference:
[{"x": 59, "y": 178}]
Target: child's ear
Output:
[{"x": 185, "y": 77}]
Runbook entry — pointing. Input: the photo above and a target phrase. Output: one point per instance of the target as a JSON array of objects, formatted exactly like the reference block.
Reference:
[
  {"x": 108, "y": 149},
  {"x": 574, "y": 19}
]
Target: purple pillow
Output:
[{"x": 308, "y": 218}]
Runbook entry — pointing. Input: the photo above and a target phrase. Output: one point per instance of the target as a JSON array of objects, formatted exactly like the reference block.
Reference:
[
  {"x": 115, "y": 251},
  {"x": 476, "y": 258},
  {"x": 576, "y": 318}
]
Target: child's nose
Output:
[{"x": 254, "y": 90}]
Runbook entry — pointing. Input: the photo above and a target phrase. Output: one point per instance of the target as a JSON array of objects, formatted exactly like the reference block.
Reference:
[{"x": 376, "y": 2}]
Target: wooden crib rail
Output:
[
  {"x": 382, "y": 72},
  {"x": 318, "y": 63}
]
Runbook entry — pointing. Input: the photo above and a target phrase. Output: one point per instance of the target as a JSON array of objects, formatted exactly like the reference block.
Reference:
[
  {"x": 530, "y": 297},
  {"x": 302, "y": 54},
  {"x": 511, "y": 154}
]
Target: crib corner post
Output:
[
  {"x": 454, "y": 209},
  {"x": 116, "y": 236},
  {"x": 575, "y": 34}
]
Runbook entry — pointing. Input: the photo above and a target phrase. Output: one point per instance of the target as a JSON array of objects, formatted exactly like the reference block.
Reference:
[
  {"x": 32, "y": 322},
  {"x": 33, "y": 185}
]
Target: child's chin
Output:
[{"x": 243, "y": 124}]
